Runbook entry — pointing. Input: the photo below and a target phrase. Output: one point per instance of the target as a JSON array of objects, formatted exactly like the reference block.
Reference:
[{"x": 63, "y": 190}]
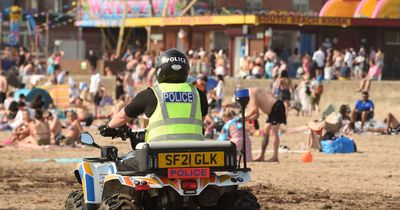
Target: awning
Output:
[
  {"x": 387, "y": 9},
  {"x": 365, "y": 9},
  {"x": 339, "y": 8}
]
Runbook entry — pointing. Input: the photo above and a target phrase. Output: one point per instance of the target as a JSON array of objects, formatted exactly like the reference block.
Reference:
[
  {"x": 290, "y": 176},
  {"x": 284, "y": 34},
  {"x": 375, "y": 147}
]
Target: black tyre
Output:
[
  {"x": 238, "y": 200},
  {"x": 119, "y": 202},
  {"x": 75, "y": 201},
  {"x": 168, "y": 199}
]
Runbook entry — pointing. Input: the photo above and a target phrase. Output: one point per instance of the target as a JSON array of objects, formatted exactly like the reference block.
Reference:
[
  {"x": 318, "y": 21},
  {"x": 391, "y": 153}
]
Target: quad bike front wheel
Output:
[
  {"x": 238, "y": 200},
  {"x": 119, "y": 202},
  {"x": 75, "y": 201}
]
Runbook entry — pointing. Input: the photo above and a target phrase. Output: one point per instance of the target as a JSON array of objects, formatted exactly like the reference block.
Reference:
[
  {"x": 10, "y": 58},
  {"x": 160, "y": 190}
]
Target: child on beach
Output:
[{"x": 233, "y": 131}]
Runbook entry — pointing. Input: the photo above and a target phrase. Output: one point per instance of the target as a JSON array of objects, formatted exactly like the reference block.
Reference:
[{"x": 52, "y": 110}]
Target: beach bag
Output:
[{"x": 341, "y": 144}]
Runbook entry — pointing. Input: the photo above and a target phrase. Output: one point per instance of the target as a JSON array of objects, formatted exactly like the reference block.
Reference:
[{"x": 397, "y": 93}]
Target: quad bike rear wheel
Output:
[
  {"x": 168, "y": 199},
  {"x": 238, "y": 200},
  {"x": 75, "y": 201},
  {"x": 119, "y": 202}
]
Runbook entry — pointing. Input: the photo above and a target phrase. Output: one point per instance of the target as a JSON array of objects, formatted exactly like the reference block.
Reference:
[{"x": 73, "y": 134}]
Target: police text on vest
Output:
[{"x": 178, "y": 97}]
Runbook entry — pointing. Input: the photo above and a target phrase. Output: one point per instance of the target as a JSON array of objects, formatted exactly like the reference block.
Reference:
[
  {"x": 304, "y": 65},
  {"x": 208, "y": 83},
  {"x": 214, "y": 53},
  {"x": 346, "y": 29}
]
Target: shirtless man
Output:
[
  {"x": 55, "y": 127},
  {"x": 3, "y": 86},
  {"x": 83, "y": 112},
  {"x": 39, "y": 131},
  {"x": 261, "y": 99},
  {"x": 73, "y": 129}
]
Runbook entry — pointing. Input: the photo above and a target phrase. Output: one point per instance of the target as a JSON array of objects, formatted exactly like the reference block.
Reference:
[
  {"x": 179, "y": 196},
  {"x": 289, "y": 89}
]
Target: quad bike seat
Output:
[{"x": 157, "y": 157}]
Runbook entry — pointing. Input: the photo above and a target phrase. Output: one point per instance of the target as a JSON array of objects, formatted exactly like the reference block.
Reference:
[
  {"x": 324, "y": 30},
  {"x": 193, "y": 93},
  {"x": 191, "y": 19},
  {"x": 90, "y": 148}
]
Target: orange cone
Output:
[{"x": 307, "y": 157}]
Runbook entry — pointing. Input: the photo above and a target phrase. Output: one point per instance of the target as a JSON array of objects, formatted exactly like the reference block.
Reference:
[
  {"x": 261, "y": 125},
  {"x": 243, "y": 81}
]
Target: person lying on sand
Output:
[
  {"x": 392, "y": 126},
  {"x": 261, "y": 99}
]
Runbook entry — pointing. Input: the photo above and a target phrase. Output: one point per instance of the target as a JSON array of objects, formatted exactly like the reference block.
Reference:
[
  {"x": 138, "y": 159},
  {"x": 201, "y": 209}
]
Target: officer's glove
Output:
[{"x": 106, "y": 131}]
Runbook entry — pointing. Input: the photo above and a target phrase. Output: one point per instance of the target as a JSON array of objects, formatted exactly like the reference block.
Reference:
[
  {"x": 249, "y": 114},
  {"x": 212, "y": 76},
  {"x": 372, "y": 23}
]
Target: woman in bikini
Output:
[{"x": 39, "y": 131}]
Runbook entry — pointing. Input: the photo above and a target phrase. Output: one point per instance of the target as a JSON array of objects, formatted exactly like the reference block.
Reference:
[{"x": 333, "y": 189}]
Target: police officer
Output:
[{"x": 175, "y": 108}]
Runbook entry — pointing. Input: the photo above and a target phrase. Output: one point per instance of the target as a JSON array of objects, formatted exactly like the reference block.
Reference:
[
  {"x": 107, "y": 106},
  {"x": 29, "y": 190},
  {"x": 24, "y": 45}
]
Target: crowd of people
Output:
[{"x": 44, "y": 124}]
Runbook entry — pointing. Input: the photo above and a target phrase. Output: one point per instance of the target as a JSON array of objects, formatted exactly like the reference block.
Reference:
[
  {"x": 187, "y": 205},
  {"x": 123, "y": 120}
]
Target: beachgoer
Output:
[
  {"x": 233, "y": 131},
  {"x": 220, "y": 91},
  {"x": 83, "y": 112},
  {"x": 3, "y": 87},
  {"x": 261, "y": 99},
  {"x": 316, "y": 92},
  {"x": 365, "y": 83},
  {"x": 55, "y": 127},
  {"x": 363, "y": 111},
  {"x": 128, "y": 85},
  {"x": 39, "y": 131},
  {"x": 22, "y": 131},
  {"x": 95, "y": 80},
  {"x": 73, "y": 129},
  {"x": 285, "y": 89},
  {"x": 304, "y": 92},
  {"x": 392, "y": 126}
]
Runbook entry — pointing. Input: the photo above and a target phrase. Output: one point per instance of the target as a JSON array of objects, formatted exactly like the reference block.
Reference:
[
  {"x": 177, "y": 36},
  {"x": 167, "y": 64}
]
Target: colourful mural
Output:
[{"x": 113, "y": 9}]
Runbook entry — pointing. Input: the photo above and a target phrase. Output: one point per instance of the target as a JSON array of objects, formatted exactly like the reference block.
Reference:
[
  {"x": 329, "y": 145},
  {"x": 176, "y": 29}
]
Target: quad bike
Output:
[{"x": 170, "y": 175}]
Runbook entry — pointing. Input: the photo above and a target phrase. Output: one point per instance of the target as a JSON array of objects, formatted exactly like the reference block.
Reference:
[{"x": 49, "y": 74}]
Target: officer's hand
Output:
[{"x": 107, "y": 131}]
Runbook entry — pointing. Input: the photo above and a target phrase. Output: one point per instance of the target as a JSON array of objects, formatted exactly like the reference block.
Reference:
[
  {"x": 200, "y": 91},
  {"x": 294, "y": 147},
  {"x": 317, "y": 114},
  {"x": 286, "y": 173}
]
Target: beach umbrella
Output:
[
  {"x": 38, "y": 91},
  {"x": 211, "y": 83},
  {"x": 22, "y": 91}
]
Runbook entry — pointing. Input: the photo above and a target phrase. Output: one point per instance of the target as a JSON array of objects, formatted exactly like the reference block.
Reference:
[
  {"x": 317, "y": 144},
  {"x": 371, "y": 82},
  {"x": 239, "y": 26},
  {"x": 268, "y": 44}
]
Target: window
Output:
[
  {"x": 34, "y": 5},
  {"x": 253, "y": 4},
  {"x": 5, "y": 4},
  {"x": 57, "y": 6},
  {"x": 392, "y": 38},
  {"x": 301, "y": 5}
]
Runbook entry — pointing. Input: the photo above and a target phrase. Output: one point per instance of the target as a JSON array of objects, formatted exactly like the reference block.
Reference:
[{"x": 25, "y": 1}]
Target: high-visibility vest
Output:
[{"x": 177, "y": 116}]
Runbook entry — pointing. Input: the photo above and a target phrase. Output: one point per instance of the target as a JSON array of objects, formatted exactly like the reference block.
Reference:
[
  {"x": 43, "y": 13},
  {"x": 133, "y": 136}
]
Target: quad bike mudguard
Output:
[{"x": 91, "y": 175}]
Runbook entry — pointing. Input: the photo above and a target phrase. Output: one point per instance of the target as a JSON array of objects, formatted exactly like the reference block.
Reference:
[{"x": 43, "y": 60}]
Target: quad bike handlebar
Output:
[{"x": 124, "y": 132}]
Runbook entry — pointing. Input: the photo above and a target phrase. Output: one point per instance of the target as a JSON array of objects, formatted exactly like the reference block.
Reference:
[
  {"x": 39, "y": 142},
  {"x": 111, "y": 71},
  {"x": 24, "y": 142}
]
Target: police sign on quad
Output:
[{"x": 178, "y": 97}]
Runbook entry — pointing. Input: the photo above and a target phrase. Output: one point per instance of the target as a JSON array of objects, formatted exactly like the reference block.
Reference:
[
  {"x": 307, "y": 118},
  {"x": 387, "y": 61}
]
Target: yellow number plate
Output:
[{"x": 190, "y": 159}]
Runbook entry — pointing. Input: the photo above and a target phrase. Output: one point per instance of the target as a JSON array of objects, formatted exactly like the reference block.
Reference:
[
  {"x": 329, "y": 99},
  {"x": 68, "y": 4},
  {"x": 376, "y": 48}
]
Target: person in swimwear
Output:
[
  {"x": 261, "y": 99},
  {"x": 73, "y": 129},
  {"x": 55, "y": 127},
  {"x": 39, "y": 131}
]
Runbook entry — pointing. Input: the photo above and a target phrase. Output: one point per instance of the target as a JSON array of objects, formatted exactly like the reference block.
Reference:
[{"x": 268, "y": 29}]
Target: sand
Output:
[{"x": 369, "y": 178}]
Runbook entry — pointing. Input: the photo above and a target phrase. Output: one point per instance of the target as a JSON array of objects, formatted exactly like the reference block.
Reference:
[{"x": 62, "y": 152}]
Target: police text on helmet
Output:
[{"x": 173, "y": 59}]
